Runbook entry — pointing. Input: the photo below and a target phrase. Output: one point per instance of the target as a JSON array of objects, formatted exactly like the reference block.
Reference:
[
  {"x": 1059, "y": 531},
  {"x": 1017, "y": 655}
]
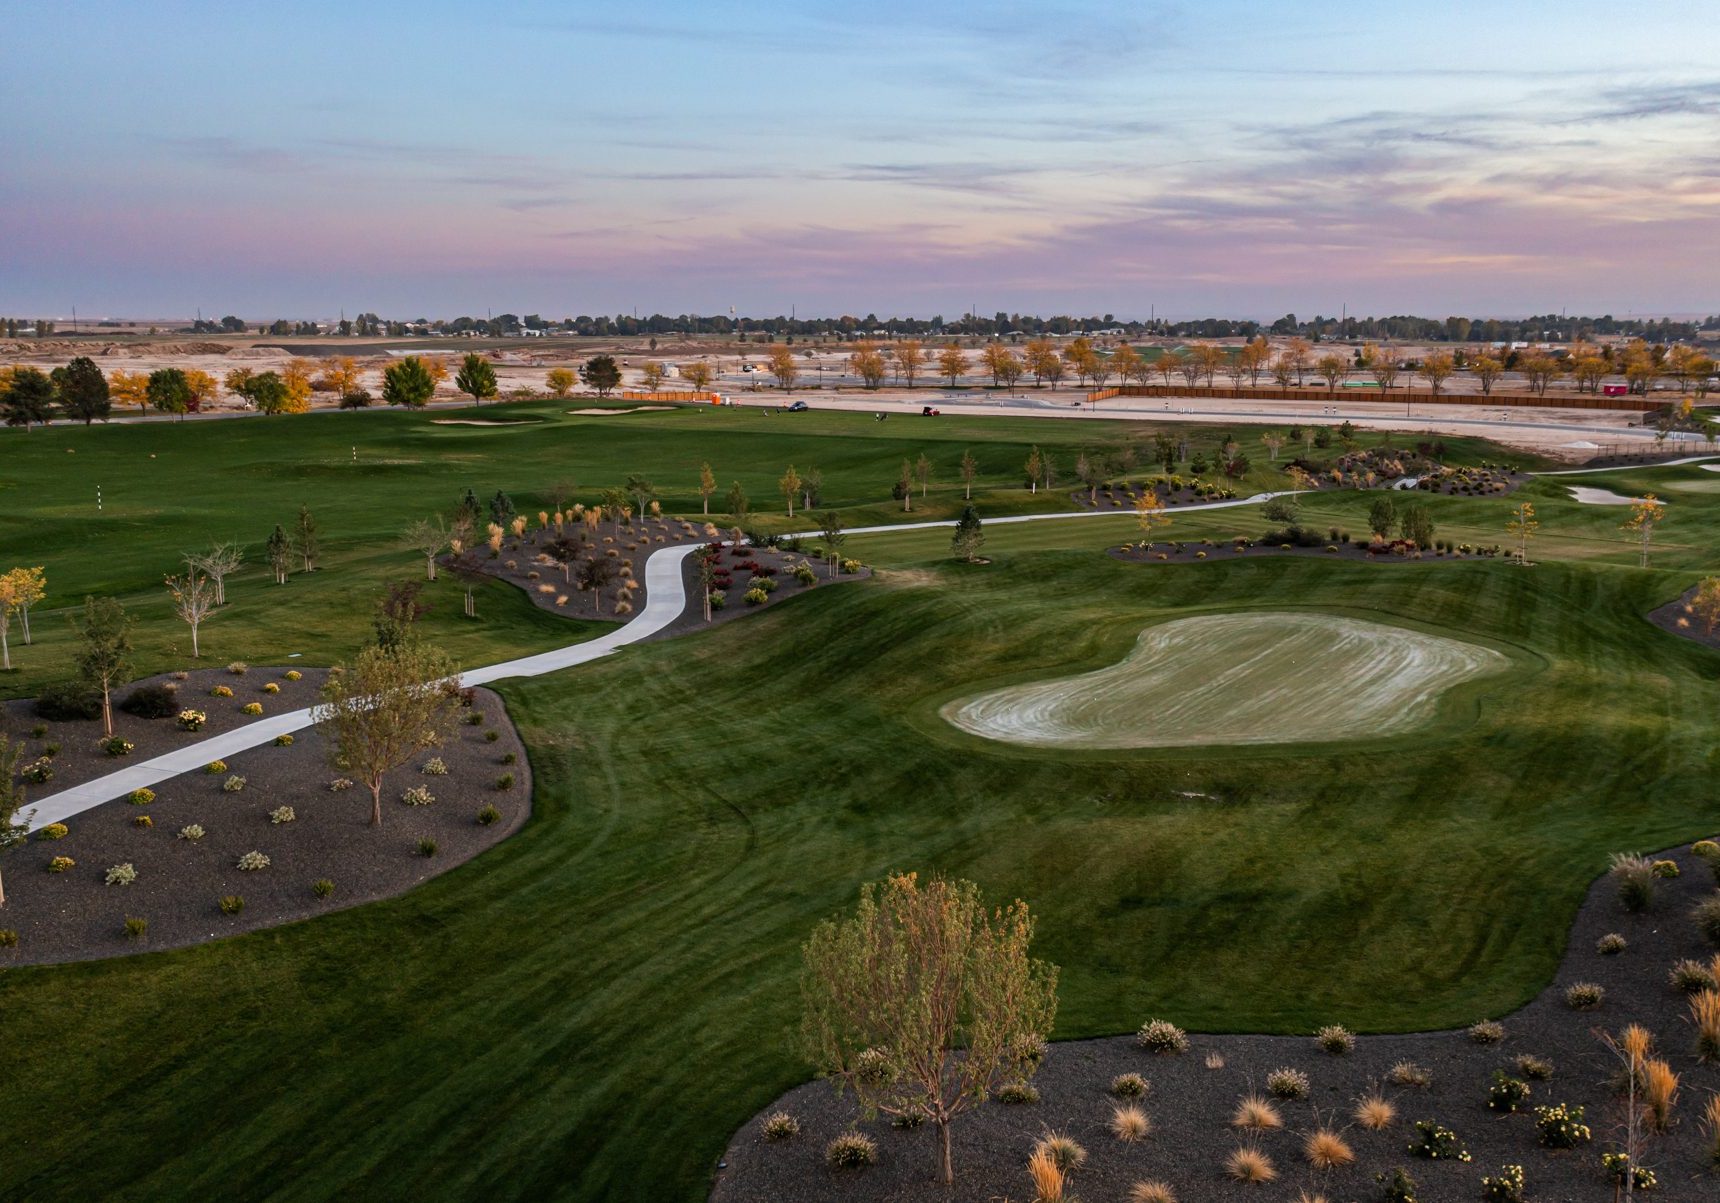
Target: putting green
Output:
[{"x": 1254, "y": 678}]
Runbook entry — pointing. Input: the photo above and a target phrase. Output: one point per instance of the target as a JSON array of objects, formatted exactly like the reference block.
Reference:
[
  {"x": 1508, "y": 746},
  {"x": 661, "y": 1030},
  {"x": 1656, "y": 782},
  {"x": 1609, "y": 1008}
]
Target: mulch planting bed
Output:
[
  {"x": 1122, "y": 497},
  {"x": 1208, "y": 551},
  {"x": 1191, "y": 1103},
  {"x": 1676, "y": 618},
  {"x": 75, "y": 915},
  {"x": 74, "y": 745},
  {"x": 525, "y": 562}
]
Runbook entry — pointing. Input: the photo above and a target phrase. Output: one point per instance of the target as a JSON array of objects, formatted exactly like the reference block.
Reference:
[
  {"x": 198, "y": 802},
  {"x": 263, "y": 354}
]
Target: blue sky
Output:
[{"x": 1243, "y": 158}]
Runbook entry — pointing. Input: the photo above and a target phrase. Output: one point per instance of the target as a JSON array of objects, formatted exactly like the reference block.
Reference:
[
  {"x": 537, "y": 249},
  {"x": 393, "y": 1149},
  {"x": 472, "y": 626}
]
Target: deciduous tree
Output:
[
  {"x": 910, "y": 358},
  {"x": 1150, "y": 514},
  {"x": 428, "y": 537},
  {"x": 952, "y": 362},
  {"x": 1332, "y": 369},
  {"x": 476, "y": 378},
  {"x": 297, "y": 377},
  {"x": 737, "y": 503},
  {"x": 707, "y": 486},
  {"x": 104, "y": 652},
  {"x": 652, "y": 374},
  {"x": 830, "y": 527},
  {"x": 1646, "y": 515},
  {"x": 13, "y": 830},
  {"x": 601, "y": 373},
  {"x": 1522, "y": 527},
  {"x": 1706, "y": 604},
  {"x": 1126, "y": 362},
  {"x": 789, "y": 486},
  {"x": 969, "y": 466},
  {"x": 1436, "y": 369},
  {"x": 923, "y": 472},
  {"x": 1034, "y": 467},
  {"x": 925, "y": 1001},
  {"x": 84, "y": 393},
  {"x": 697, "y": 374},
  {"x": 595, "y": 575},
  {"x": 218, "y": 563},
  {"x": 308, "y": 545},
  {"x": 26, "y": 587},
  {"x": 339, "y": 375},
  {"x": 384, "y": 707},
  {"x": 1487, "y": 371},
  {"x": 867, "y": 362},
  {"x": 130, "y": 388},
  {"x": 783, "y": 367},
  {"x": 560, "y": 381},
  {"x": 408, "y": 384},
  {"x": 193, "y": 598},
  {"x": 280, "y": 553}
]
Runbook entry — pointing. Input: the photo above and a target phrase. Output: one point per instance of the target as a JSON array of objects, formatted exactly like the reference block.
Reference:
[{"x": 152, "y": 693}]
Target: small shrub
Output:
[
  {"x": 1250, "y": 1166},
  {"x": 252, "y": 861},
  {"x": 418, "y": 795},
  {"x": 39, "y": 730},
  {"x": 39, "y": 771},
  {"x": 850, "y": 1150},
  {"x": 117, "y": 746},
  {"x": 780, "y": 1125},
  {"x": 1561, "y": 1126},
  {"x": 509, "y": 758},
  {"x": 53, "y": 831},
  {"x": 1488, "y": 1031},
  {"x": 283, "y": 741},
  {"x": 1633, "y": 877},
  {"x": 1326, "y": 1150},
  {"x": 851, "y": 566},
  {"x": 1611, "y": 944},
  {"x": 1617, "y": 1165},
  {"x": 1536, "y": 1069},
  {"x": 192, "y": 832},
  {"x": 1215, "y": 1060},
  {"x": 1017, "y": 1093},
  {"x": 339, "y": 785},
  {"x": 221, "y": 691},
  {"x": 251, "y": 708},
  {"x": 282, "y": 814},
  {"x": 67, "y": 701},
  {"x": 1374, "y": 1112},
  {"x": 322, "y": 887},
  {"x": 505, "y": 781},
  {"x": 426, "y": 847},
  {"x": 293, "y": 674},
  {"x": 61, "y": 864},
  {"x": 271, "y": 687},
  {"x": 136, "y": 929},
  {"x": 755, "y": 596},
  {"x": 491, "y": 737},
  {"x": 1437, "y": 1142},
  {"x": 238, "y": 668},
  {"x": 121, "y": 875},
  {"x": 1129, "y": 1086},
  {"x": 1506, "y": 1094},
  {"x": 1288, "y": 1083},
  {"x": 1687, "y": 977},
  {"x": 141, "y": 796},
  {"x": 488, "y": 815},
  {"x": 233, "y": 784},
  {"x": 1707, "y": 916},
  {"x": 1256, "y": 1114},
  {"x": 1665, "y": 870},
  {"x": 8, "y": 938},
  {"x": 474, "y": 719},
  {"x": 191, "y": 720},
  {"x": 1584, "y": 996},
  {"x": 1504, "y": 1187},
  {"x": 907, "y": 1121},
  {"x": 805, "y": 575},
  {"x": 1335, "y": 1039},
  {"x": 142, "y": 821},
  {"x": 1397, "y": 1186},
  {"x": 215, "y": 767},
  {"x": 1162, "y": 1036},
  {"x": 1130, "y": 1124},
  {"x": 231, "y": 904},
  {"x": 434, "y": 767}
]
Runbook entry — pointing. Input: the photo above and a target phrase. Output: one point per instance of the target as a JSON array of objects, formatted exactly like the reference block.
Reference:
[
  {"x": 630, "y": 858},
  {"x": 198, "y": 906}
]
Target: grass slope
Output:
[{"x": 588, "y": 1011}]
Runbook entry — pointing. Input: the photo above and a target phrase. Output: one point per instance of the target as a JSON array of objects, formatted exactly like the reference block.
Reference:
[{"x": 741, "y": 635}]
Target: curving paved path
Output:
[{"x": 665, "y": 599}]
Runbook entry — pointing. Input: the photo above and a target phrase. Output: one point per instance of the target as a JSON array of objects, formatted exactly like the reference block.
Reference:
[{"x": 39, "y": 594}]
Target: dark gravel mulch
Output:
[
  {"x": 80, "y": 756},
  {"x": 74, "y": 915},
  {"x": 1191, "y": 1103},
  {"x": 1676, "y": 611}
]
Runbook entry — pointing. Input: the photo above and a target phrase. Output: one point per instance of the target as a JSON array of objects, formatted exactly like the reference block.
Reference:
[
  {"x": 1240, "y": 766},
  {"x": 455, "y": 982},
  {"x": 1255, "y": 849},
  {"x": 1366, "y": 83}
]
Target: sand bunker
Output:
[
  {"x": 600, "y": 413},
  {"x": 1589, "y": 495},
  {"x": 1237, "y": 679},
  {"x": 484, "y": 421}
]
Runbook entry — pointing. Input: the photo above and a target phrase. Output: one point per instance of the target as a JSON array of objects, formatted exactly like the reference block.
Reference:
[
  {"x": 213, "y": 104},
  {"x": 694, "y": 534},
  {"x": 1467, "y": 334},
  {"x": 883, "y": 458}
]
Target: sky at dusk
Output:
[{"x": 1244, "y": 159}]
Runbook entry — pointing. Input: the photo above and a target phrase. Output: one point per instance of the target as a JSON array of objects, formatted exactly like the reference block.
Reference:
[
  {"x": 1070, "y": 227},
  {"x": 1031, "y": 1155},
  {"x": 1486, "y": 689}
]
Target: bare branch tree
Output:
[{"x": 193, "y": 598}]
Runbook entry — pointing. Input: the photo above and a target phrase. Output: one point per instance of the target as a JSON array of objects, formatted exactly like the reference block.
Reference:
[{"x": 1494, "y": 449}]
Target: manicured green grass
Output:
[{"x": 589, "y": 1010}]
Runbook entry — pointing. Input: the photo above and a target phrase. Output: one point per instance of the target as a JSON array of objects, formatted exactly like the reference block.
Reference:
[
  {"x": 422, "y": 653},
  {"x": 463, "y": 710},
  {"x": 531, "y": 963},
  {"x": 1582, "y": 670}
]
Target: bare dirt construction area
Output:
[
  {"x": 1615, "y": 972},
  {"x": 1237, "y": 679},
  {"x": 186, "y": 843}
]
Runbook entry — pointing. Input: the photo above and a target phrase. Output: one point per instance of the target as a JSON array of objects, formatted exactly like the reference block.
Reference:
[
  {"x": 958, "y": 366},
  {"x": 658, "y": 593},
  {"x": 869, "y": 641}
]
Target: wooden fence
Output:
[{"x": 1374, "y": 394}]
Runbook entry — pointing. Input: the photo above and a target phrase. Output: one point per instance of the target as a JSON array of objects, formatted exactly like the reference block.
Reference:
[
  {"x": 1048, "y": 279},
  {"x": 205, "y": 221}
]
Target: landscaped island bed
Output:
[
  {"x": 1192, "y": 1096},
  {"x": 201, "y": 824}
]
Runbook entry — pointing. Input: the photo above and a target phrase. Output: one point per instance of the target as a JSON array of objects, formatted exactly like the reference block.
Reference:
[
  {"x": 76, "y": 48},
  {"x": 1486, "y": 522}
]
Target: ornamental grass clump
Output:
[
  {"x": 1017, "y": 1093},
  {"x": 1130, "y": 1124},
  {"x": 1705, "y": 1018},
  {"x": 1255, "y": 1113},
  {"x": 851, "y": 1150},
  {"x": 1162, "y": 1036},
  {"x": 1584, "y": 996},
  {"x": 252, "y": 861},
  {"x": 1048, "y": 1181},
  {"x": 1327, "y": 1150},
  {"x": 1536, "y": 1069},
  {"x": 1707, "y": 916},
  {"x": 230, "y": 904},
  {"x": 322, "y": 887},
  {"x": 1152, "y": 1191},
  {"x": 1129, "y": 1086},
  {"x": 1611, "y": 944},
  {"x": 780, "y": 1126},
  {"x": 1659, "y": 1092},
  {"x": 1288, "y": 1083},
  {"x": 1633, "y": 878},
  {"x": 488, "y": 815},
  {"x": 191, "y": 832},
  {"x": 1374, "y": 1112},
  {"x": 136, "y": 928},
  {"x": 1488, "y": 1031},
  {"x": 1335, "y": 1039},
  {"x": 1690, "y": 977},
  {"x": 1250, "y": 1167}
]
